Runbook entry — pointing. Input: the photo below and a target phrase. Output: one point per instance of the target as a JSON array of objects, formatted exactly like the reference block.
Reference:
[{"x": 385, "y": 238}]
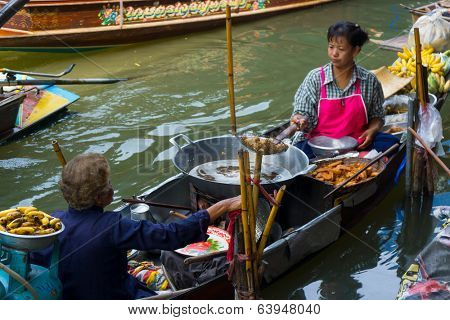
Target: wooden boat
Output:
[
  {"x": 89, "y": 24},
  {"x": 28, "y": 107},
  {"x": 309, "y": 222}
]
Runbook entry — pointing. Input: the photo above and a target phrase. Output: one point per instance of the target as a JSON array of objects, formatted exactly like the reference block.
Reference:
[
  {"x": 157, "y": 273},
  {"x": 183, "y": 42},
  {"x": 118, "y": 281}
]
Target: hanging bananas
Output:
[
  {"x": 28, "y": 221},
  {"x": 437, "y": 64}
]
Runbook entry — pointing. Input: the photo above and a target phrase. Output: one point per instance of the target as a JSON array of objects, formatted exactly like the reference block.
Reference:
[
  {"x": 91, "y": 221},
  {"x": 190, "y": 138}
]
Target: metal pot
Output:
[
  {"x": 195, "y": 153},
  {"x": 323, "y": 146}
]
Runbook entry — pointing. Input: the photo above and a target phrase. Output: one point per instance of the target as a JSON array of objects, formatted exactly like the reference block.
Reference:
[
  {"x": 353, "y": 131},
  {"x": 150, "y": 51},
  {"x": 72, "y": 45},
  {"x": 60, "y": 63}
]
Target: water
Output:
[
  {"x": 227, "y": 171},
  {"x": 179, "y": 85}
]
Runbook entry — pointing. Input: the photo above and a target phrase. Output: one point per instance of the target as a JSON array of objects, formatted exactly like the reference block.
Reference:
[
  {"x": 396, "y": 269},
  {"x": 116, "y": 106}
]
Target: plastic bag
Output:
[
  {"x": 434, "y": 30},
  {"x": 430, "y": 126}
]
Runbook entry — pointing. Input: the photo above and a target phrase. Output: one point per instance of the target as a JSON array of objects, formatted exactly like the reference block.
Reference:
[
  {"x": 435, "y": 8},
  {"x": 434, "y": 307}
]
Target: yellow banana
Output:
[
  {"x": 35, "y": 213},
  {"x": 402, "y": 56},
  {"x": 407, "y": 52},
  {"x": 3, "y": 229},
  {"x": 22, "y": 230},
  {"x": 13, "y": 215},
  {"x": 447, "y": 86},
  {"x": 5, "y": 212},
  {"x": 45, "y": 221},
  {"x": 25, "y": 209},
  {"x": 57, "y": 226},
  {"x": 438, "y": 65},
  {"x": 413, "y": 83},
  {"x": 54, "y": 221},
  {"x": 15, "y": 223},
  {"x": 3, "y": 221},
  {"x": 29, "y": 224},
  {"x": 45, "y": 231}
]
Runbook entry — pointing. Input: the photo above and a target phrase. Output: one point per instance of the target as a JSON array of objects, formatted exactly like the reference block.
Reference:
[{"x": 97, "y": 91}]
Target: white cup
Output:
[{"x": 139, "y": 211}]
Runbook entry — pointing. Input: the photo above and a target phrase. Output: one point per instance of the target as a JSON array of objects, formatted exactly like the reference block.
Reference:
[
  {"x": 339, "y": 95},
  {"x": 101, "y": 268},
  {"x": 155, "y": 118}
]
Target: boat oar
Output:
[
  {"x": 230, "y": 71},
  {"x": 37, "y": 74},
  {"x": 59, "y": 153},
  {"x": 39, "y": 82},
  {"x": 428, "y": 149},
  {"x": 378, "y": 157}
]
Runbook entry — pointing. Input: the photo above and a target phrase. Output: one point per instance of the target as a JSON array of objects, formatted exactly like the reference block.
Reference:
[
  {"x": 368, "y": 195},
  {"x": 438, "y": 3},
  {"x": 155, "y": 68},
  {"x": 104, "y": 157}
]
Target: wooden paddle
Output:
[{"x": 378, "y": 157}]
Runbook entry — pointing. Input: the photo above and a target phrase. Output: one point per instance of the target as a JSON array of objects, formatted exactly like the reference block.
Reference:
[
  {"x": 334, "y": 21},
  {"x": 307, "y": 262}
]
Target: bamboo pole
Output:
[
  {"x": 244, "y": 219},
  {"x": 256, "y": 179},
  {"x": 269, "y": 223},
  {"x": 230, "y": 71},
  {"x": 428, "y": 149},
  {"x": 409, "y": 148},
  {"x": 419, "y": 70},
  {"x": 59, "y": 153}
]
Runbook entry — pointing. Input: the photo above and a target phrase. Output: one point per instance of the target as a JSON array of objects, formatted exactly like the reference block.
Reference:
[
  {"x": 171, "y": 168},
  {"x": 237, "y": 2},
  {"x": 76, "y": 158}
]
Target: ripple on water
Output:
[
  {"x": 132, "y": 146},
  {"x": 19, "y": 163}
]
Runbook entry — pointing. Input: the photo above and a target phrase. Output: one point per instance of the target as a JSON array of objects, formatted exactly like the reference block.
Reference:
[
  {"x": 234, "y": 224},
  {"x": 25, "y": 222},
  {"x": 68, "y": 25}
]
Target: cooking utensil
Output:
[
  {"x": 323, "y": 146},
  {"x": 378, "y": 157},
  {"x": 195, "y": 153},
  {"x": 155, "y": 204}
]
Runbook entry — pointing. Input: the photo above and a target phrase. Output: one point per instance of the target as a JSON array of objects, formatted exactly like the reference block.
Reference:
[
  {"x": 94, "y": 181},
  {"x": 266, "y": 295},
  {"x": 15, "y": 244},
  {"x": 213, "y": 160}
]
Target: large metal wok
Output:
[{"x": 194, "y": 153}]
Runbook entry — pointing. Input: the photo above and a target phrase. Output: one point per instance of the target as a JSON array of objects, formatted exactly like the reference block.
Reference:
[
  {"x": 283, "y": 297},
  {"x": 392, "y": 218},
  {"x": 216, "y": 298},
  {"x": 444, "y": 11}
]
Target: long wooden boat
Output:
[
  {"x": 98, "y": 23},
  {"x": 24, "y": 110},
  {"x": 309, "y": 222}
]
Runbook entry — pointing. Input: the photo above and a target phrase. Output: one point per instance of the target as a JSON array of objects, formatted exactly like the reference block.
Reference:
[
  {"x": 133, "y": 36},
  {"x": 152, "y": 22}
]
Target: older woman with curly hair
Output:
[{"x": 93, "y": 247}]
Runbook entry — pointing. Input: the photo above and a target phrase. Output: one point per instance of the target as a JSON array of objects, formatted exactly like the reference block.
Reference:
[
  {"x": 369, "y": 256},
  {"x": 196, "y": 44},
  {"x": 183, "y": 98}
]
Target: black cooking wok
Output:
[{"x": 195, "y": 153}]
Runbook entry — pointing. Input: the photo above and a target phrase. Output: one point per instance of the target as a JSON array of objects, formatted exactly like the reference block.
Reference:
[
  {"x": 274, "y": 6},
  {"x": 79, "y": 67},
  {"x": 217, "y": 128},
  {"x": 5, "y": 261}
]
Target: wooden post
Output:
[
  {"x": 409, "y": 148},
  {"x": 121, "y": 13},
  {"x": 59, "y": 153},
  {"x": 230, "y": 71},
  {"x": 419, "y": 70}
]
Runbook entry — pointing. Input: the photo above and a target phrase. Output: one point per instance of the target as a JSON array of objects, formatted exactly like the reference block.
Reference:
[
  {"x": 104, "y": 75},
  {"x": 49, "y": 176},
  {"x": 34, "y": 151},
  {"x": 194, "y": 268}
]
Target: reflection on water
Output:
[{"x": 179, "y": 85}]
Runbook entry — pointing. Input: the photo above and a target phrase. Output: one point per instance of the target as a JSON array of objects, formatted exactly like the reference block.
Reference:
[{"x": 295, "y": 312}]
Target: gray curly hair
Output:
[{"x": 83, "y": 179}]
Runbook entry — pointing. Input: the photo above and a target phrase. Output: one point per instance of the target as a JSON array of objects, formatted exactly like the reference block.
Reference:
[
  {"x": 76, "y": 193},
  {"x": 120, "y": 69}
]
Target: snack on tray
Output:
[
  {"x": 264, "y": 145},
  {"x": 28, "y": 221},
  {"x": 337, "y": 172},
  {"x": 395, "y": 129}
]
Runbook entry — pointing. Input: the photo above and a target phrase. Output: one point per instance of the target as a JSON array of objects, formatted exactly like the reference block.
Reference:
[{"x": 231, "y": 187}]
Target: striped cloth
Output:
[{"x": 308, "y": 94}]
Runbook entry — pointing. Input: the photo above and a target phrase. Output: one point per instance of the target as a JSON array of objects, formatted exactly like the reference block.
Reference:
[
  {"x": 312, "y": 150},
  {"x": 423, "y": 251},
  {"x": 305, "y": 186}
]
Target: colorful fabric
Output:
[
  {"x": 307, "y": 98},
  {"x": 150, "y": 275}
]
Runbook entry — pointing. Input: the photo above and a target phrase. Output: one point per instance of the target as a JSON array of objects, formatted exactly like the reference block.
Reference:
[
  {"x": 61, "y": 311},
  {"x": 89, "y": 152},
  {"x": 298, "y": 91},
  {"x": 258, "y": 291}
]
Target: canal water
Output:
[{"x": 179, "y": 85}]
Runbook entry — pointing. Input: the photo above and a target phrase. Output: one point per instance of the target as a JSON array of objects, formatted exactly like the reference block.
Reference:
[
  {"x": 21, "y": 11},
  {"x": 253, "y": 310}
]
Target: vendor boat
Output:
[
  {"x": 307, "y": 221},
  {"x": 68, "y": 24}
]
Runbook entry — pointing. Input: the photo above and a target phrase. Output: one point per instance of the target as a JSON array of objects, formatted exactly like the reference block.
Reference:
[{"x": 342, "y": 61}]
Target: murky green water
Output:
[{"x": 179, "y": 85}]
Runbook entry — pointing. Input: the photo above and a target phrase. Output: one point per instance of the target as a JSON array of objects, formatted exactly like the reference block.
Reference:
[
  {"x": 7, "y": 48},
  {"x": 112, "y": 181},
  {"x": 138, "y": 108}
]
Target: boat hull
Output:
[{"x": 84, "y": 25}]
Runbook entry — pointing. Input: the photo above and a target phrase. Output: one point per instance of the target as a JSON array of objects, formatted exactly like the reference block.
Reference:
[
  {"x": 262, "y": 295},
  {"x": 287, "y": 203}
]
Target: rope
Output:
[{"x": 21, "y": 280}]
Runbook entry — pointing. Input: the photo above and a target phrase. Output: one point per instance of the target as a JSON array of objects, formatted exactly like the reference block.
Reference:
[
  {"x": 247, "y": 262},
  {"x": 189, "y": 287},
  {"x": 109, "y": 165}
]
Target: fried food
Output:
[
  {"x": 28, "y": 221},
  {"x": 264, "y": 145},
  {"x": 395, "y": 129},
  {"x": 337, "y": 172}
]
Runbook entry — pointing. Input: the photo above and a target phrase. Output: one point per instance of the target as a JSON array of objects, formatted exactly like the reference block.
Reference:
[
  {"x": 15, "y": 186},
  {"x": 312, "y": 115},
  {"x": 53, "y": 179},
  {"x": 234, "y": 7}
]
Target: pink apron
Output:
[{"x": 340, "y": 117}]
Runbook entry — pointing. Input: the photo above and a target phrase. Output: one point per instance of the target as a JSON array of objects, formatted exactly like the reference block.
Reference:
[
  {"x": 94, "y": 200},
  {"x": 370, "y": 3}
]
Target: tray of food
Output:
[
  {"x": 217, "y": 242},
  {"x": 334, "y": 172}
]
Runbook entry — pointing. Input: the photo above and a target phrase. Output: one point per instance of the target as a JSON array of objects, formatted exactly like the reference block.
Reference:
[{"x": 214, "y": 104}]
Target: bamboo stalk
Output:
[
  {"x": 419, "y": 70},
  {"x": 244, "y": 219},
  {"x": 230, "y": 71},
  {"x": 251, "y": 218},
  {"x": 428, "y": 149},
  {"x": 269, "y": 223},
  {"x": 59, "y": 153},
  {"x": 256, "y": 179}
]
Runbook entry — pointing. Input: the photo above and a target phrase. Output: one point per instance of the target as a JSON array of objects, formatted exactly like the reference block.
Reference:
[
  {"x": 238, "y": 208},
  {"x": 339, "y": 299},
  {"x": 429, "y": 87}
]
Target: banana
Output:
[
  {"x": 3, "y": 229},
  {"x": 45, "y": 221},
  {"x": 406, "y": 52},
  {"x": 29, "y": 224},
  {"x": 5, "y": 212},
  {"x": 45, "y": 231},
  {"x": 25, "y": 209},
  {"x": 35, "y": 213},
  {"x": 402, "y": 56},
  {"x": 438, "y": 65},
  {"x": 14, "y": 224},
  {"x": 3, "y": 221},
  {"x": 22, "y": 230},
  {"x": 58, "y": 226},
  {"x": 13, "y": 215},
  {"x": 54, "y": 221},
  {"x": 447, "y": 86}
]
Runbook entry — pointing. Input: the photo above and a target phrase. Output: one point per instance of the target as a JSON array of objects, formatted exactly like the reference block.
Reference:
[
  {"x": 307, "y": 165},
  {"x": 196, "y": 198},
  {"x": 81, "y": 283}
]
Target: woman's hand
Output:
[
  {"x": 300, "y": 121},
  {"x": 224, "y": 206},
  {"x": 367, "y": 138}
]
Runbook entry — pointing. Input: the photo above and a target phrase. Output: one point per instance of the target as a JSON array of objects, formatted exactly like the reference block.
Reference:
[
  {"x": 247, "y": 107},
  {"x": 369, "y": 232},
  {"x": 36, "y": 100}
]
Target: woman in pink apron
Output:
[{"x": 341, "y": 98}]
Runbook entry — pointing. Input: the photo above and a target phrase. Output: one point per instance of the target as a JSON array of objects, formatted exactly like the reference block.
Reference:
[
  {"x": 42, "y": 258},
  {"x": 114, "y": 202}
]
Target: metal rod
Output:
[
  {"x": 378, "y": 157},
  {"x": 47, "y": 75},
  {"x": 156, "y": 204},
  {"x": 38, "y": 82},
  {"x": 59, "y": 153},
  {"x": 430, "y": 152},
  {"x": 230, "y": 71}
]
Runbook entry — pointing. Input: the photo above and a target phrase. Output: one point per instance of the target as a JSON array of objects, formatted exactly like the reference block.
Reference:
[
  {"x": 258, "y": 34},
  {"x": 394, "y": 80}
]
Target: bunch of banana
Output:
[
  {"x": 405, "y": 66},
  {"x": 28, "y": 221}
]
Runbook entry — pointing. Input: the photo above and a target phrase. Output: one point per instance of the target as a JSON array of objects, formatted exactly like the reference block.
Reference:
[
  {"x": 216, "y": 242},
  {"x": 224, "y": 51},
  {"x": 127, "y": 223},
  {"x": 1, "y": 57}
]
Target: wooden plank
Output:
[{"x": 393, "y": 44}]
